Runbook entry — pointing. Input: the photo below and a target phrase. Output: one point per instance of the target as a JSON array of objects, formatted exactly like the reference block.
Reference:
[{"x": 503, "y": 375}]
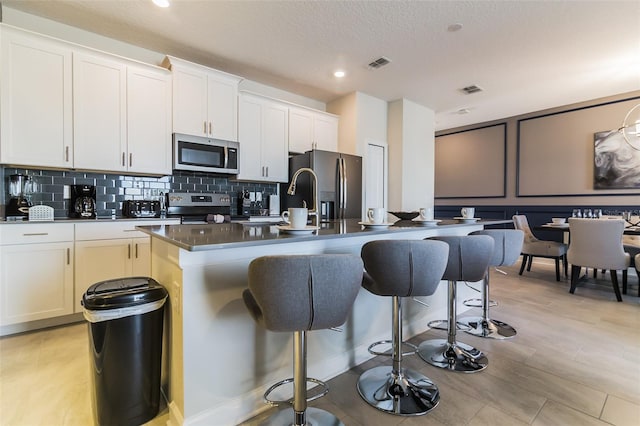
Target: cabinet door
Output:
[
  {"x": 100, "y": 260},
  {"x": 250, "y": 137},
  {"x": 35, "y": 102},
  {"x": 148, "y": 121},
  {"x": 300, "y": 130},
  {"x": 141, "y": 257},
  {"x": 275, "y": 126},
  {"x": 189, "y": 101},
  {"x": 99, "y": 112},
  {"x": 36, "y": 281},
  {"x": 325, "y": 132},
  {"x": 222, "y": 108}
]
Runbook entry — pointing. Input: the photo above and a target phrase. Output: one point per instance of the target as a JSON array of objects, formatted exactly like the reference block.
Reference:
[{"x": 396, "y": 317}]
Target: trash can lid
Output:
[{"x": 122, "y": 293}]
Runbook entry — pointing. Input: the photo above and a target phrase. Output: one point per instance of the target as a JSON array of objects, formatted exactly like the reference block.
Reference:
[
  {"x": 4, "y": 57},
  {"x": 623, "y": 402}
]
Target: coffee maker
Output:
[
  {"x": 82, "y": 204},
  {"x": 21, "y": 187}
]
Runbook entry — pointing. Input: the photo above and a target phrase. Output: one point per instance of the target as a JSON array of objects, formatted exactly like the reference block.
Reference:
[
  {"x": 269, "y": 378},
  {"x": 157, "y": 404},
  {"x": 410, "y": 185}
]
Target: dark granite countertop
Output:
[{"x": 200, "y": 237}]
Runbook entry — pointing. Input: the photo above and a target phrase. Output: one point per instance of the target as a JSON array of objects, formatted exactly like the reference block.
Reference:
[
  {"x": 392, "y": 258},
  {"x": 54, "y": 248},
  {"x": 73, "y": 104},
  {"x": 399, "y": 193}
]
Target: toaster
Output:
[{"x": 141, "y": 208}]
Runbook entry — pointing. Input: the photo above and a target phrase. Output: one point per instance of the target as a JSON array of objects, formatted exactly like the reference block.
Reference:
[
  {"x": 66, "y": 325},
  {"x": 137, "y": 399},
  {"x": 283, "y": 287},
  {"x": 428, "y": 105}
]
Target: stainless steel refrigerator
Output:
[{"x": 339, "y": 180}]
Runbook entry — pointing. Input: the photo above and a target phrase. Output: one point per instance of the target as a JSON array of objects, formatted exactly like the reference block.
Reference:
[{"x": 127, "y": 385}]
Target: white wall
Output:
[{"x": 411, "y": 156}]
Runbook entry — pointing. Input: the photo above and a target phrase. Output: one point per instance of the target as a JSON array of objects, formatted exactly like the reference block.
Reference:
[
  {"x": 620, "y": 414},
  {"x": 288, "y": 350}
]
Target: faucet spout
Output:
[{"x": 292, "y": 190}]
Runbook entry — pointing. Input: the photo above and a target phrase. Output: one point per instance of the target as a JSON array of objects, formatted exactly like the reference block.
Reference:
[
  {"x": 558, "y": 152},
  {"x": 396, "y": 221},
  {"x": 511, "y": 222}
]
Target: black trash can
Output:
[{"x": 125, "y": 337}]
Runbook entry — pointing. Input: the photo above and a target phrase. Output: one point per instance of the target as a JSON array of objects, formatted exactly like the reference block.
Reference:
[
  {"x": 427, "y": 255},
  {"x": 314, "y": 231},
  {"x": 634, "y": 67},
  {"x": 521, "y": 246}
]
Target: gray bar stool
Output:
[
  {"x": 401, "y": 268},
  {"x": 506, "y": 251},
  {"x": 469, "y": 258},
  {"x": 297, "y": 294}
]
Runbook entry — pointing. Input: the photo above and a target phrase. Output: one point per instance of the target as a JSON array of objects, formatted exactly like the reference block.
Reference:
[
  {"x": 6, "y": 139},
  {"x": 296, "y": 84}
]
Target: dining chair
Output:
[
  {"x": 632, "y": 247},
  {"x": 533, "y": 247},
  {"x": 597, "y": 243}
]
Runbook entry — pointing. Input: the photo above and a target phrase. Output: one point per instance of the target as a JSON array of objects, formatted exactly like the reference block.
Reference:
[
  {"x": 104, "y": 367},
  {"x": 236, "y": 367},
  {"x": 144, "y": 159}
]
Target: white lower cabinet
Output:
[
  {"x": 110, "y": 250},
  {"x": 36, "y": 272}
]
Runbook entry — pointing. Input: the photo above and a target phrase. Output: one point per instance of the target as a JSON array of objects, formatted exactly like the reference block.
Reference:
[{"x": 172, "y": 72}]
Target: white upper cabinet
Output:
[
  {"x": 205, "y": 101},
  {"x": 149, "y": 120},
  {"x": 99, "y": 113},
  {"x": 312, "y": 130},
  {"x": 263, "y": 132},
  {"x": 36, "y": 109},
  {"x": 64, "y": 106},
  {"x": 122, "y": 116}
]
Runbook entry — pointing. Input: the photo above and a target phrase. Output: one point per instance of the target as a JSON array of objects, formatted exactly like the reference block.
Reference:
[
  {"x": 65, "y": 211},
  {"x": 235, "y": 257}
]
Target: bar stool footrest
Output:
[
  {"x": 273, "y": 402},
  {"x": 477, "y": 303},
  {"x": 389, "y": 352},
  {"x": 444, "y": 325}
]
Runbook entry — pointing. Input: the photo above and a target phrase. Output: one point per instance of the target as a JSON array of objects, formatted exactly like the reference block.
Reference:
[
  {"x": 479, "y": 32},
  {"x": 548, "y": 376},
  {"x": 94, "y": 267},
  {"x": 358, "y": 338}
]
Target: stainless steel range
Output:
[{"x": 206, "y": 207}]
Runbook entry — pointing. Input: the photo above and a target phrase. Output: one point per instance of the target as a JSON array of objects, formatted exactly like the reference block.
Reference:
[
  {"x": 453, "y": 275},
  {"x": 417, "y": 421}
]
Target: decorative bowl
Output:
[{"x": 405, "y": 215}]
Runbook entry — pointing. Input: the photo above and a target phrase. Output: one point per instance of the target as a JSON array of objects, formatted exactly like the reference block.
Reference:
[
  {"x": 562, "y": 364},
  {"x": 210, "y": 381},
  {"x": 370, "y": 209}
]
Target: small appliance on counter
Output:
[
  {"x": 82, "y": 204},
  {"x": 140, "y": 208},
  {"x": 21, "y": 188}
]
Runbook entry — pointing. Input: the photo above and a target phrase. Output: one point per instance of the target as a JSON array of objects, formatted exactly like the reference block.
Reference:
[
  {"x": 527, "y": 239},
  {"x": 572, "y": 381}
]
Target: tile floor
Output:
[{"x": 575, "y": 361}]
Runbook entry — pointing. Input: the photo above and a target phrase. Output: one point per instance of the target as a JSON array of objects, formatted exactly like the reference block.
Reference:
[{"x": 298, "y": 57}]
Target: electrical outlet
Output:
[
  {"x": 258, "y": 196},
  {"x": 66, "y": 192},
  {"x": 252, "y": 196}
]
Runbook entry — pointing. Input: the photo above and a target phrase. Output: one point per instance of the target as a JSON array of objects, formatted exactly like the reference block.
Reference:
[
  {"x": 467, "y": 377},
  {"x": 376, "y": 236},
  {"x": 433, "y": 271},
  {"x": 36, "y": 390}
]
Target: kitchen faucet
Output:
[{"x": 292, "y": 190}]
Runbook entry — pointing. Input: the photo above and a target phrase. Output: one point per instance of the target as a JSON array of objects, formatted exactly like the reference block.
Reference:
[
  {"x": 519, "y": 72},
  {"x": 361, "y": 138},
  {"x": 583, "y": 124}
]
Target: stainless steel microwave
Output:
[{"x": 202, "y": 154}]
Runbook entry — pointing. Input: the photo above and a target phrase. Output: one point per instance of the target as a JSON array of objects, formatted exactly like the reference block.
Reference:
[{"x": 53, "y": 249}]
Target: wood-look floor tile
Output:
[
  {"x": 620, "y": 412},
  {"x": 556, "y": 414},
  {"x": 490, "y": 416}
]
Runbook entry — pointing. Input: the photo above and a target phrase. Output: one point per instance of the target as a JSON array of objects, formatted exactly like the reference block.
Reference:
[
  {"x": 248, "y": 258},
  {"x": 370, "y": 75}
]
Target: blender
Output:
[{"x": 20, "y": 189}]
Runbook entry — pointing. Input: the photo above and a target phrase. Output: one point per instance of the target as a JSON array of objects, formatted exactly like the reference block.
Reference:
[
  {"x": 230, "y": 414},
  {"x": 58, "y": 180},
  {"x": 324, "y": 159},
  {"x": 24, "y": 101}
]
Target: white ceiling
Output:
[{"x": 526, "y": 55}]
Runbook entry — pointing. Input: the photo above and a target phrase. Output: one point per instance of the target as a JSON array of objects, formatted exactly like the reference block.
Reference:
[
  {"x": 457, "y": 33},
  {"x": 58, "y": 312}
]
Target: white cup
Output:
[
  {"x": 296, "y": 217},
  {"x": 468, "y": 212},
  {"x": 376, "y": 215},
  {"x": 426, "y": 213}
]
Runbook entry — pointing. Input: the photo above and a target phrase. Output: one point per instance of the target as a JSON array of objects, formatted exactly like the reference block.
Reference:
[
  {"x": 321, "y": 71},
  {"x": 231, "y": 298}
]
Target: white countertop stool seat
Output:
[
  {"x": 398, "y": 269},
  {"x": 506, "y": 250},
  {"x": 533, "y": 247},
  {"x": 299, "y": 293},
  {"x": 469, "y": 258},
  {"x": 597, "y": 243}
]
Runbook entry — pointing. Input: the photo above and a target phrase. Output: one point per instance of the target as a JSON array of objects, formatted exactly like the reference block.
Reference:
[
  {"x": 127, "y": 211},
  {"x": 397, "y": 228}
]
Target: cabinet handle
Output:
[
  {"x": 129, "y": 230},
  {"x": 33, "y": 234},
  {"x": 123, "y": 160},
  {"x": 267, "y": 175},
  {"x": 68, "y": 256},
  {"x": 66, "y": 154},
  {"x": 136, "y": 250},
  {"x": 130, "y": 159},
  {"x": 210, "y": 131},
  {"x": 129, "y": 251},
  {"x": 205, "y": 127}
]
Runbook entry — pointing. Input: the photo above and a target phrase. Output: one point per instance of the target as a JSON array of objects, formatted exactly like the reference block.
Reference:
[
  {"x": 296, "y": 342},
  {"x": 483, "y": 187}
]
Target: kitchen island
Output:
[{"x": 218, "y": 361}]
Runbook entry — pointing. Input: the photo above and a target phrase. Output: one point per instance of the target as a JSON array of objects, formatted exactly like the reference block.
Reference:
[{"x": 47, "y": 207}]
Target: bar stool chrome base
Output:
[
  {"x": 322, "y": 386},
  {"x": 492, "y": 329},
  {"x": 408, "y": 393},
  {"x": 444, "y": 325},
  {"x": 314, "y": 417},
  {"x": 456, "y": 357}
]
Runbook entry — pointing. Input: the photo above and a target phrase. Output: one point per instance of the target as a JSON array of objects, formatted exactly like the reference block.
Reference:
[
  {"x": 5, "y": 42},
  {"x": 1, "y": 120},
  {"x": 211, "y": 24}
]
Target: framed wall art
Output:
[{"x": 616, "y": 164}]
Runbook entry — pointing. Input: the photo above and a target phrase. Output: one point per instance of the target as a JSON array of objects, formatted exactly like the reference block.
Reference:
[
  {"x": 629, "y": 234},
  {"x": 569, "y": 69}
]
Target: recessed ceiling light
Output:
[
  {"x": 161, "y": 3},
  {"x": 463, "y": 111},
  {"x": 339, "y": 74},
  {"x": 454, "y": 27}
]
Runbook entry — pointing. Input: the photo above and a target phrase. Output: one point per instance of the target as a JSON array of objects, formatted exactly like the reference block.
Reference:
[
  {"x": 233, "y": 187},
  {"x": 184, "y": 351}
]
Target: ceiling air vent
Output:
[
  {"x": 471, "y": 89},
  {"x": 379, "y": 63}
]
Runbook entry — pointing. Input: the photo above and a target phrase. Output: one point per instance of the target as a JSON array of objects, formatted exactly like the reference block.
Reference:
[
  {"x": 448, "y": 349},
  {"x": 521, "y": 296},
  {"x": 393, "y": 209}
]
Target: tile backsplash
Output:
[{"x": 113, "y": 189}]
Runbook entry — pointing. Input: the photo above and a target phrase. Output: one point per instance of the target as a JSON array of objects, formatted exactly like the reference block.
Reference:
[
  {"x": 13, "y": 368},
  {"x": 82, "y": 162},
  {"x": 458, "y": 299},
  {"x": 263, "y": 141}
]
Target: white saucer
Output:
[
  {"x": 289, "y": 230},
  {"x": 426, "y": 222},
  {"x": 558, "y": 225},
  {"x": 375, "y": 225},
  {"x": 467, "y": 219}
]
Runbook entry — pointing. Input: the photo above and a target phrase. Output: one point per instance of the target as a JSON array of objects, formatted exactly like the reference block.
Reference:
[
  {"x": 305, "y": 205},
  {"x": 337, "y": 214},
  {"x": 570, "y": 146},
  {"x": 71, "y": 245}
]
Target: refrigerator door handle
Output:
[
  {"x": 340, "y": 188},
  {"x": 344, "y": 187}
]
